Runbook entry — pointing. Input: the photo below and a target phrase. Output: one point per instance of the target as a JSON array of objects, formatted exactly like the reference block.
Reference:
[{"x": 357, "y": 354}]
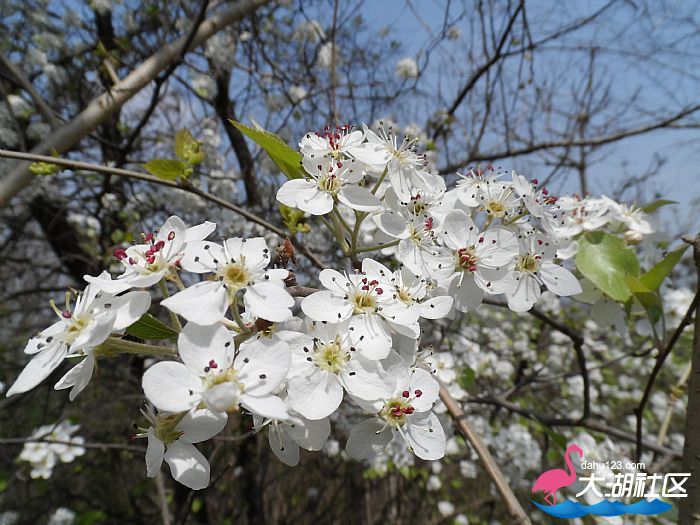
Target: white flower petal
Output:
[
  {"x": 200, "y": 425},
  {"x": 187, "y": 465},
  {"x": 359, "y": 198},
  {"x": 392, "y": 224},
  {"x": 316, "y": 395},
  {"x": 283, "y": 446},
  {"x": 525, "y": 294},
  {"x": 129, "y": 308},
  {"x": 266, "y": 406},
  {"x": 263, "y": 364},
  {"x": 368, "y": 439},
  {"x": 222, "y": 397},
  {"x": 559, "y": 280},
  {"x": 365, "y": 379},
  {"x": 38, "y": 369},
  {"x": 270, "y": 301},
  {"x": 425, "y": 435},
  {"x": 39, "y": 343},
  {"x": 202, "y": 257},
  {"x": 77, "y": 377},
  {"x": 200, "y": 345},
  {"x": 437, "y": 307},
  {"x": 370, "y": 336},
  {"x": 204, "y": 303},
  {"x": 422, "y": 381},
  {"x": 326, "y": 306},
  {"x": 199, "y": 232},
  {"x": 171, "y": 386},
  {"x": 105, "y": 283},
  {"x": 310, "y": 435},
  {"x": 154, "y": 454}
]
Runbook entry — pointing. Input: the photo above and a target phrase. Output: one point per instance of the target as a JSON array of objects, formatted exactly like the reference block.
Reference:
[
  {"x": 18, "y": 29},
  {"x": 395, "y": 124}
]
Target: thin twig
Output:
[
  {"x": 663, "y": 354},
  {"x": 184, "y": 186},
  {"x": 334, "y": 109},
  {"x": 513, "y": 507}
]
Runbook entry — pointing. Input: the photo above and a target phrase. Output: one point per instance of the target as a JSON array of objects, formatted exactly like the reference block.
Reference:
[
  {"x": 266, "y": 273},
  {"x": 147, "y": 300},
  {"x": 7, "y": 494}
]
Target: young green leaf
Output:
[
  {"x": 649, "y": 299},
  {"x": 286, "y": 159},
  {"x": 148, "y": 327},
  {"x": 654, "y": 277},
  {"x": 605, "y": 260},
  {"x": 167, "y": 169},
  {"x": 187, "y": 148},
  {"x": 653, "y": 206}
]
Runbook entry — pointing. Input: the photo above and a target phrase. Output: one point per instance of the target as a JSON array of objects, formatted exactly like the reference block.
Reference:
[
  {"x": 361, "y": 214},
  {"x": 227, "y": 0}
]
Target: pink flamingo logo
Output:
[{"x": 552, "y": 480}]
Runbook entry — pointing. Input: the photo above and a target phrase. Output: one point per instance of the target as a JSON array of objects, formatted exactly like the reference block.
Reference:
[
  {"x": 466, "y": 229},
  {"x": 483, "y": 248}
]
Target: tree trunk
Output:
[{"x": 689, "y": 511}]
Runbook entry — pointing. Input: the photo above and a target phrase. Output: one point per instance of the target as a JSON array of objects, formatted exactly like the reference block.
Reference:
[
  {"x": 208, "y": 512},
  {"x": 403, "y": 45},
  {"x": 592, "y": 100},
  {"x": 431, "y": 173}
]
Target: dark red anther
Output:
[
  {"x": 545, "y": 191},
  {"x": 429, "y": 223},
  {"x": 419, "y": 393},
  {"x": 535, "y": 182},
  {"x": 408, "y": 410},
  {"x": 481, "y": 239},
  {"x": 132, "y": 260},
  {"x": 171, "y": 236},
  {"x": 148, "y": 237},
  {"x": 120, "y": 254},
  {"x": 339, "y": 164},
  {"x": 213, "y": 364},
  {"x": 149, "y": 253},
  {"x": 151, "y": 259},
  {"x": 66, "y": 314},
  {"x": 374, "y": 282},
  {"x": 379, "y": 291},
  {"x": 158, "y": 246},
  {"x": 405, "y": 393},
  {"x": 539, "y": 242}
]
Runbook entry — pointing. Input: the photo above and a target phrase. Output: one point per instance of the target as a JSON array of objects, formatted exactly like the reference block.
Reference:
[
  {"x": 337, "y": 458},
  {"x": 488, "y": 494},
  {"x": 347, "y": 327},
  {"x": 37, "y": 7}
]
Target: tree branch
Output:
[
  {"x": 77, "y": 165},
  {"x": 103, "y": 106}
]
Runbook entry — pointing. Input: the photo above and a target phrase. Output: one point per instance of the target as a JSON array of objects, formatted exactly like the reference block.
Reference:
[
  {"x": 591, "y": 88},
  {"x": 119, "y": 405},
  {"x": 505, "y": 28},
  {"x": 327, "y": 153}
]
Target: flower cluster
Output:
[
  {"x": 50, "y": 444},
  {"x": 248, "y": 344}
]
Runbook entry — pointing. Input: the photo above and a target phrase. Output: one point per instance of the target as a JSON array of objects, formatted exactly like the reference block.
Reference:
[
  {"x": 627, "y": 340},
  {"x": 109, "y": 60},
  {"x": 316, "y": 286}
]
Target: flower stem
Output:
[
  {"x": 114, "y": 346},
  {"x": 173, "y": 316},
  {"x": 380, "y": 180},
  {"x": 377, "y": 246}
]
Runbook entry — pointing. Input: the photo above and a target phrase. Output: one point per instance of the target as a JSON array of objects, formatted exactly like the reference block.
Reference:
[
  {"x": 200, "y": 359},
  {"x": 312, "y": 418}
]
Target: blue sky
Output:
[{"x": 679, "y": 177}]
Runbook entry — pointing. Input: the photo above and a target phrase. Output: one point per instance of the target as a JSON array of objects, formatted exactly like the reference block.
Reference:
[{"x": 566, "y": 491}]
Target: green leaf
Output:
[
  {"x": 654, "y": 277},
  {"x": 166, "y": 169},
  {"x": 605, "y": 260},
  {"x": 148, "y": 327},
  {"x": 649, "y": 299},
  {"x": 653, "y": 206},
  {"x": 286, "y": 159},
  {"x": 466, "y": 378},
  {"x": 188, "y": 148},
  {"x": 44, "y": 168}
]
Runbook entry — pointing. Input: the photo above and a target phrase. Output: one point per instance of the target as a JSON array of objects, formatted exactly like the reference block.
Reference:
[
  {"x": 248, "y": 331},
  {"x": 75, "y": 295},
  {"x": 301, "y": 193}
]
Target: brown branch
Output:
[
  {"x": 577, "y": 340},
  {"x": 597, "y": 141},
  {"x": 160, "y": 80},
  {"x": 690, "y": 507},
  {"x": 98, "y": 446},
  {"x": 513, "y": 507},
  {"x": 553, "y": 421},
  {"x": 185, "y": 186},
  {"x": 27, "y": 86},
  {"x": 665, "y": 352},
  {"x": 225, "y": 110},
  {"x": 68, "y": 135},
  {"x": 481, "y": 71}
]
